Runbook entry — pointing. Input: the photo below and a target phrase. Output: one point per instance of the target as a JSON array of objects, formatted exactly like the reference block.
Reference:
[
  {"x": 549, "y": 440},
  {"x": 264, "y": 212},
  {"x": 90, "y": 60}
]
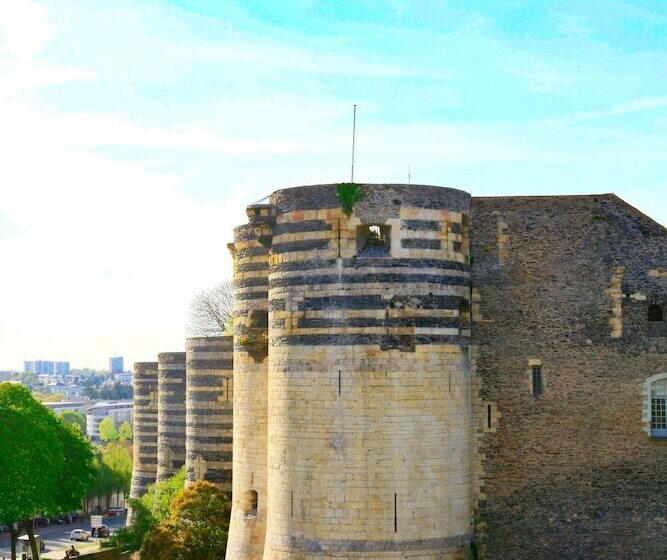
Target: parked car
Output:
[
  {"x": 56, "y": 521},
  {"x": 79, "y": 535},
  {"x": 115, "y": 511},
  {"x": 101, "y": 531},
  {"x": 41, "y": 522}
]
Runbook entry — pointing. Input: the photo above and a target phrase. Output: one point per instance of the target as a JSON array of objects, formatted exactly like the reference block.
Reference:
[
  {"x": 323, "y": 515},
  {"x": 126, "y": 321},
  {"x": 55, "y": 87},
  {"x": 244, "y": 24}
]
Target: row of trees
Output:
[
  {"x": 46, "y": 464},
  {"x": 176, "y": 523}
]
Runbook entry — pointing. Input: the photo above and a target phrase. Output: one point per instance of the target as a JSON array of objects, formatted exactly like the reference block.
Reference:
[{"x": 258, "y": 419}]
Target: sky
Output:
[{"x": 133, "y": 134}]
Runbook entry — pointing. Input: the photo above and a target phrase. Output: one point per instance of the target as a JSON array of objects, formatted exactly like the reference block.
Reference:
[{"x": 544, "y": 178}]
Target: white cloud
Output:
[{"x": 24, "y": 29}]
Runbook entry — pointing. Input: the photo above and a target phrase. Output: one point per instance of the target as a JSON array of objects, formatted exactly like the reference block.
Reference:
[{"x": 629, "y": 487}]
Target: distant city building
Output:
[
  {"x": 120, "y": 411},
  {"x": 125, "y": 377},
  {"x": 62, "y": 368},
  {"x": 45, "y": 367},
  {"x": 75, "y": 406},
  {"x": 6, "y": 375},
  {"x": 116, "y": 365}
]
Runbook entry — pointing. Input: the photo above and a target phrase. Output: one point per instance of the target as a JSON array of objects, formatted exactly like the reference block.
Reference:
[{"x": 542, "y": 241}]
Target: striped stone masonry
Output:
[
  {"x": 171, "y": 413},
  {"x": 251, "y": 248},
  {"x": 368, "y": 448},
  {"x": 209, "y": 402},
  {"x": 144, "y": 446}
]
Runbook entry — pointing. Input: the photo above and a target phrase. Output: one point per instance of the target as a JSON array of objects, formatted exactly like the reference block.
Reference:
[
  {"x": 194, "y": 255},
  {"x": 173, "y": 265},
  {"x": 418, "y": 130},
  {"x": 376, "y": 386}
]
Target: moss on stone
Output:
[{"x": 348, "y": 195}]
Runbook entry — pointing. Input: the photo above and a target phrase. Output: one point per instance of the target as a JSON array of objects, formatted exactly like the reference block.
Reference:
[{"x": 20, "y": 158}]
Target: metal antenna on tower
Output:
[{"x": 354, "y": 130}]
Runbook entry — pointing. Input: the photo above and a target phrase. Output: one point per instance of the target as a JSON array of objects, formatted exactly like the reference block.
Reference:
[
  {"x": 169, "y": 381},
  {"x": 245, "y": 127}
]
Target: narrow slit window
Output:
[
  {"x": 488, "y": 416},
  {"x": 538, "y": 387},
  {"x": 250, "y": 504},
  {"x": 655, "y": 312}
]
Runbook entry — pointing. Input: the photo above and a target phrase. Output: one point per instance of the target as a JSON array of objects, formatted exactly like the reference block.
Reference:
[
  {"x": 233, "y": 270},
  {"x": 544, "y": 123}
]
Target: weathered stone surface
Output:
[
  {"x": 209, "y": 404},
  {"x": 571, "y": 473},
  {"x": 171, "y": 413},
  {"x": 144, "y": 466}
]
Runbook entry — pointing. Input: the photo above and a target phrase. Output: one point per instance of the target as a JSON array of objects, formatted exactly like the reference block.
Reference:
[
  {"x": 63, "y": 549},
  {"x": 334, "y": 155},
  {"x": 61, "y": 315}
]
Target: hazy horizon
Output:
[{"x": 134, "y": 135}]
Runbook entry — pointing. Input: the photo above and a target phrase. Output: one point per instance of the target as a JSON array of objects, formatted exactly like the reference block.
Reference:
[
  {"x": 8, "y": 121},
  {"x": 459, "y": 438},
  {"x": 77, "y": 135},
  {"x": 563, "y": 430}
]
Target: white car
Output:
[{"x": 79, "y": 535}]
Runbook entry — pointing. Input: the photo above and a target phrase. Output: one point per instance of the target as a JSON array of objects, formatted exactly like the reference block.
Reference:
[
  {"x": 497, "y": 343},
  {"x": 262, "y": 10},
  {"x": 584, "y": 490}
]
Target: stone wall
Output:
[
  {"x": 564, "y": 284},
  {"x": 144, "y": 442},
  {"x": 249, "y": 492},
  {"x": 171, "y": 413},
  {"x": 369, "y": 435},
  {"x": 209, "y": 402}
]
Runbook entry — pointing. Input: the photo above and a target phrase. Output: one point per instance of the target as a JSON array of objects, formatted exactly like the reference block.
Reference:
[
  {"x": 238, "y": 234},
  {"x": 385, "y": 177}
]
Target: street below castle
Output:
[{"x": 56, "y": 537}]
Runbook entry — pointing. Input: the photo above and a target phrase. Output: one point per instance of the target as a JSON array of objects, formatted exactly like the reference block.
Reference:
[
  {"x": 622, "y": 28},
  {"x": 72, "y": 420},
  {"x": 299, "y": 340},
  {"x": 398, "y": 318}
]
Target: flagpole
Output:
[{"x": 354, "y": 130}]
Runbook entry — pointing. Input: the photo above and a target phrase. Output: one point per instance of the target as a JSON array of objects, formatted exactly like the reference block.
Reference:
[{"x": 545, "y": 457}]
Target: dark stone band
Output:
[
  {"x": 442, "y": 544},
  {"x": 324, "y": 323},
  {"x": 301, "y": 227},
  {"x": 372, "y": 302},
  {"x": 383, "y": 340},
  {"x": 209, "y": 439},
  {"x": 305, "y": 245},
  {"x": 422, "y": 225},
  {"x": 374, "y": 262},
  {"x": 421, "y": 244},
  {"x": 217, "y": 364},
  {"x": 370, "y": 278}
]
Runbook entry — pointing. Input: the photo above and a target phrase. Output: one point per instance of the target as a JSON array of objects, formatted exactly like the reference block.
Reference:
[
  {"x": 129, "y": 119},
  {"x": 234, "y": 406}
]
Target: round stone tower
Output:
[
  {"x": 209, "y": 398},
  {"x": 249, "y": 495},
  {"x": 369, "y": 414},
  {"x": 144, "y": 441},
  {"x": 171, "y": 413}
]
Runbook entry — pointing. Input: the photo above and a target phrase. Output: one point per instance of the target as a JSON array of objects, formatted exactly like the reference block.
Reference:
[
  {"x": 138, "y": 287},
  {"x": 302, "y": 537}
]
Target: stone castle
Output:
[{"x": 421, "y": 374}]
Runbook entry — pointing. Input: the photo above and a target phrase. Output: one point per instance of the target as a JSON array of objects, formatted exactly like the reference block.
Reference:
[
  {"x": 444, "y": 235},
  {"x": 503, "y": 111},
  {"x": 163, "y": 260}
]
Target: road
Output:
[{"x": 57, "y": 536}]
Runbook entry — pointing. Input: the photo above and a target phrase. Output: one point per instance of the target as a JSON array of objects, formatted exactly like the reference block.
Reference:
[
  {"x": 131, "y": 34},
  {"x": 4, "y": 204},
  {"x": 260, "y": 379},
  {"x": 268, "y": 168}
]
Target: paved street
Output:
[{"x": 56, "y": 537}]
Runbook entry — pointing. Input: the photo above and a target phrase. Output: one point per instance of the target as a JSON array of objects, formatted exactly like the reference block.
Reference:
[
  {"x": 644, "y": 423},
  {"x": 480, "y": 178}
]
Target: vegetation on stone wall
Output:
[
  {"x": 348, "y": 195},
  {"x": 172, "y": 522}
]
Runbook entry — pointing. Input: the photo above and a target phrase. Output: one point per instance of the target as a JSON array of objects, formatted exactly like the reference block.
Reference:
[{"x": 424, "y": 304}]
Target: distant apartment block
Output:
[
  {"x": 45, "y": 367},
  {"x": 125, "y": 377},
  {"x": 119, "y": 411},
  {"x": 116, "y": 365}
]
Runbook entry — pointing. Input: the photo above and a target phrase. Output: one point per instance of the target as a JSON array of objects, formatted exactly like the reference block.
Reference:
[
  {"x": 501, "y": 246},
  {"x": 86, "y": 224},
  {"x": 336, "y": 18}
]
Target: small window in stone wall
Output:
[
  {"x": 655, "y": 312},
  {"x": 373, "y": 240},
  {"x": 259, "y": 319},
  {"x": 538, "y": 387},
  {"x": 250, "y": 504}
]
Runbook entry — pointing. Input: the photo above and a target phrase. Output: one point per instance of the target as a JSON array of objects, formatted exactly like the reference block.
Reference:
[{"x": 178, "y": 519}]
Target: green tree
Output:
[
  {"x": 125, "y": 432},
  {"x": 196, "y": 528},
  {"x": 45, "y": 466},
  {"x": 161, "y": 543},
  {"x": 113, "y": 465},
  {"x": 200, "y": 519},
  {"x": 160, "y": 495},
  {"x": 147, "y": 512},
  {"x": 74, "y": 418},
  {"x": 119, "y": 461},
  {"x": 108, "y": 430},
  {"x": 78, "y": 471}
]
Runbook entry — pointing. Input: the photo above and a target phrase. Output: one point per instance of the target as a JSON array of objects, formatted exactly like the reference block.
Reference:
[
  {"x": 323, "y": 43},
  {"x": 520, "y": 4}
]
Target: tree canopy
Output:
[
  {"x": 74, "y": 418},
  {"x": 113, "y": 470},
  {"x": 211, "y": 311},
  {"x": 197, "y": 526},
  {"x": 108, "y": 430},
  {"x": 125, "y": 432},
  {"x": 45, "y": 464}
]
